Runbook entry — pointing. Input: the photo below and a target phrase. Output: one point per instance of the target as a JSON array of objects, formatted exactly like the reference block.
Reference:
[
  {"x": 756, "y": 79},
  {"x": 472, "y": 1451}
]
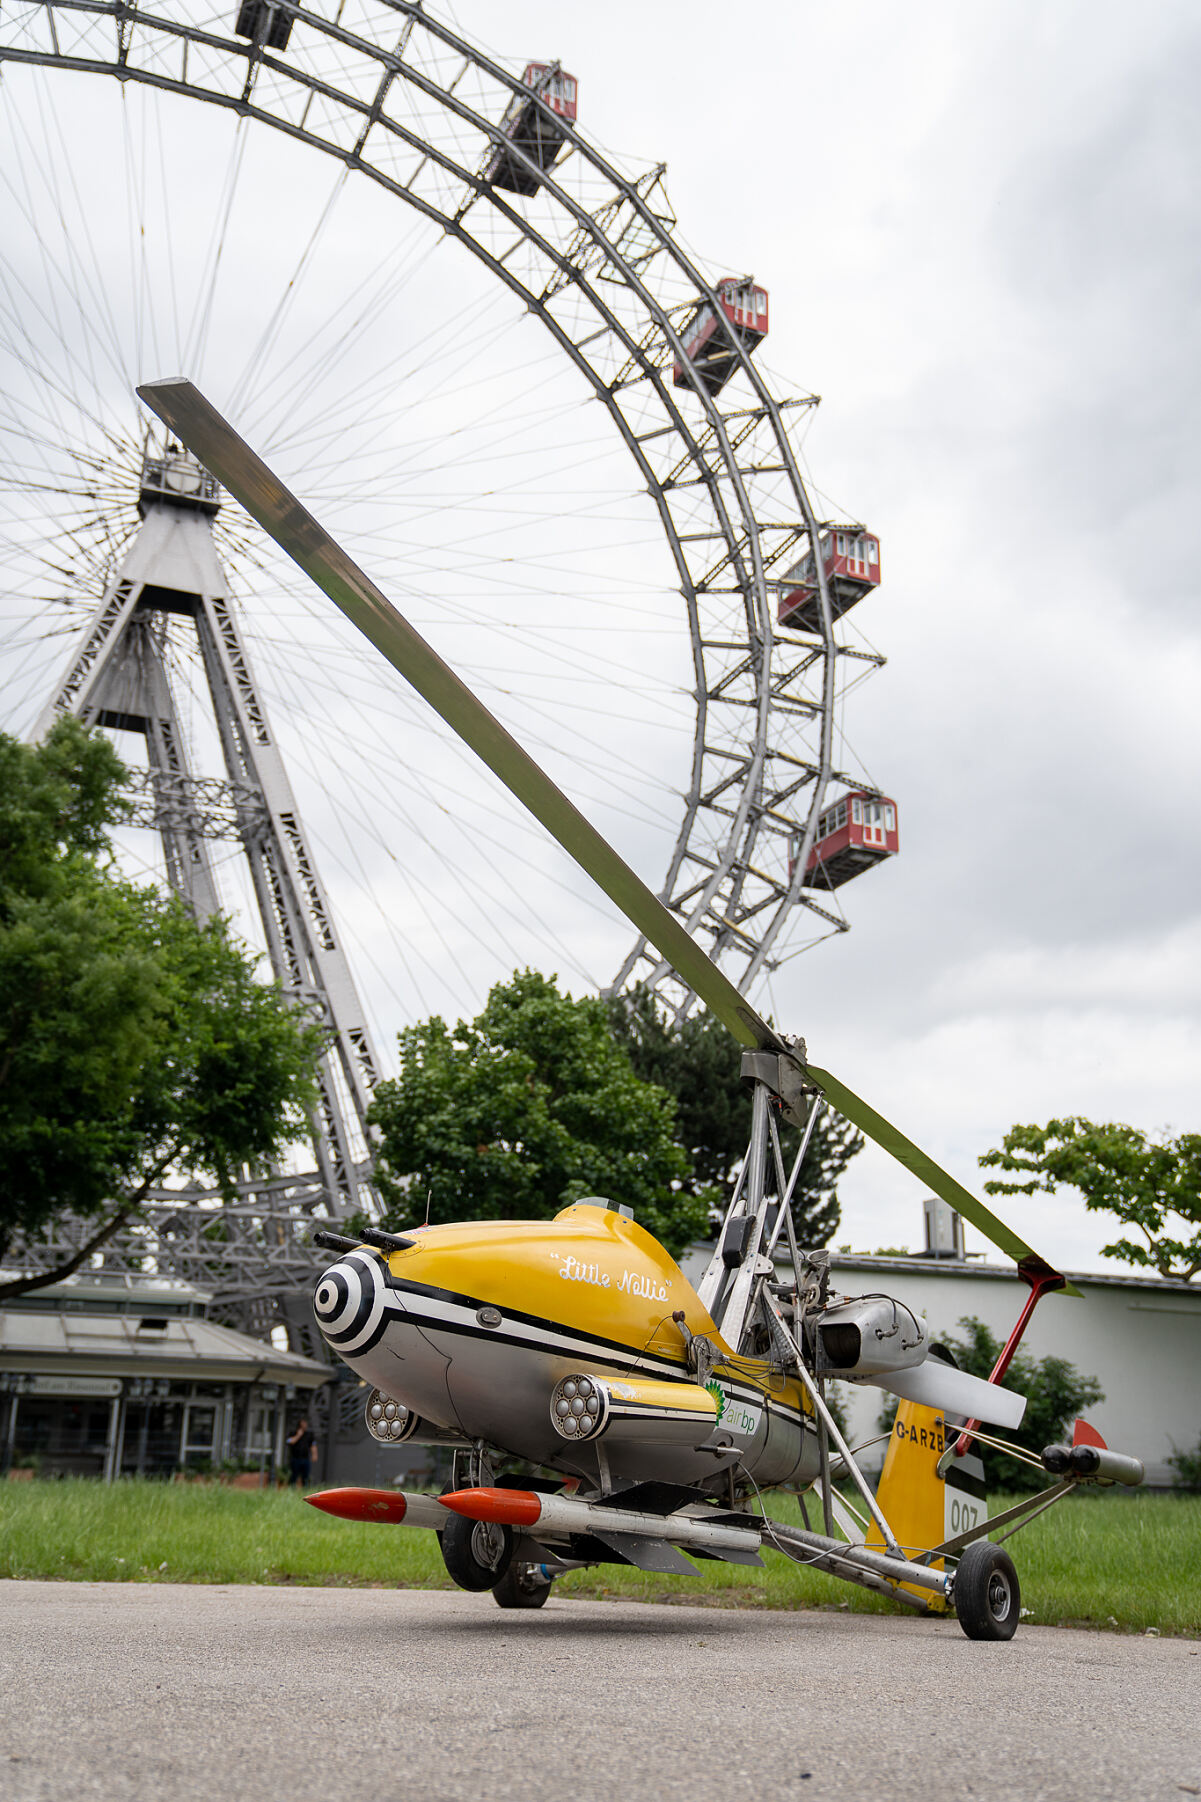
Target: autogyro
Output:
[{"x": 654, "y": 1413}]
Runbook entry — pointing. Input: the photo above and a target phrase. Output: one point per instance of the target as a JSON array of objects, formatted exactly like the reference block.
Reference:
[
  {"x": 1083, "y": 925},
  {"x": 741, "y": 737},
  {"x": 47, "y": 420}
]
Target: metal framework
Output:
[
  {"x": 401, "y": 98},
  {"x": 251, "y": 1255}
]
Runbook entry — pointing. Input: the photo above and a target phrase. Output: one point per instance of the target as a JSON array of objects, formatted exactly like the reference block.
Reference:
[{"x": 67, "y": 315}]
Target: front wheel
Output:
[
  {"x": 988, "y": 1598},
  {"x": 522, "y": 1586},
  {"x": 476, "y": 1553}
]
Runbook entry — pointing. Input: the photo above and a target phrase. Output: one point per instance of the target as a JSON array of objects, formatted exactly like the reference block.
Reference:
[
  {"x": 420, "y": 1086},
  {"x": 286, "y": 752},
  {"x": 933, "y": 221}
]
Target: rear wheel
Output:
[
  {"x": 522, "y": 1586},
  {"x": 988, "y": 1598},
  {"x": 477, "y": 1553}
]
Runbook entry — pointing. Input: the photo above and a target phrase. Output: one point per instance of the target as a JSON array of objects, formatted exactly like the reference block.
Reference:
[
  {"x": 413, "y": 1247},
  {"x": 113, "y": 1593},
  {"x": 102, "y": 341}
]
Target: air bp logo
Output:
[{"x": 716, "y": 1391}]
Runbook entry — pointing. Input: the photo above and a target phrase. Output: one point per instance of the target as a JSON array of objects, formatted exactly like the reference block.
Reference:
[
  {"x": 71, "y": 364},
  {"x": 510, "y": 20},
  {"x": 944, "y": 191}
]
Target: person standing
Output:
[{"x": 301, "y": 1446}]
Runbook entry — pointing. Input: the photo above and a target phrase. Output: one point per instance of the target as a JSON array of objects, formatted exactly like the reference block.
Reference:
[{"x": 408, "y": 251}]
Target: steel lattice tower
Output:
[{"x": 119, "y": 677}]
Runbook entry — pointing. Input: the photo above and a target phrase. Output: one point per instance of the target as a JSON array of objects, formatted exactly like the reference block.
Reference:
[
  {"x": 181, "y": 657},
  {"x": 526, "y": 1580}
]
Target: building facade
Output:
[{"x": 105, "y": 1375}]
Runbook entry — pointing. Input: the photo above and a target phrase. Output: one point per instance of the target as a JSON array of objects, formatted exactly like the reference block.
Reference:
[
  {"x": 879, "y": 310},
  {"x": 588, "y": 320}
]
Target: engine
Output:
[{"x": 868, "y": 1335}]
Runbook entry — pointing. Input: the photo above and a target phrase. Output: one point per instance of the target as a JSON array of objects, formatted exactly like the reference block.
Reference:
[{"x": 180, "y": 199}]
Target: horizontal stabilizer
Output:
[{"x": 938, "y": 1385}]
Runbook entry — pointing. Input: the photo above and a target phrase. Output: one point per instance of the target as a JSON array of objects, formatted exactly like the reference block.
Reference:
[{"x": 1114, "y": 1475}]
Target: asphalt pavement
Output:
[{"x": 159, "y": 1692}]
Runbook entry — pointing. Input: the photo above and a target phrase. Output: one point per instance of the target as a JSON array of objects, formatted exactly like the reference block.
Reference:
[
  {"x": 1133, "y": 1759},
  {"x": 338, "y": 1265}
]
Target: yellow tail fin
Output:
[{"x": 921, "y": 1508}]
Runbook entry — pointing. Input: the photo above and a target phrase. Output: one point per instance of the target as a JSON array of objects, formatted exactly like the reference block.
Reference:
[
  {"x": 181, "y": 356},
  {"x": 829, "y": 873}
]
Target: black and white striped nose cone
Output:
[{"x": 349, "y": 1300}]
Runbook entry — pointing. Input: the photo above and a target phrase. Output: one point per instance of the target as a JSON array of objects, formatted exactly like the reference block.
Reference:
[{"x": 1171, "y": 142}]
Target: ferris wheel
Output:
[{"x": 730, "y": 592}]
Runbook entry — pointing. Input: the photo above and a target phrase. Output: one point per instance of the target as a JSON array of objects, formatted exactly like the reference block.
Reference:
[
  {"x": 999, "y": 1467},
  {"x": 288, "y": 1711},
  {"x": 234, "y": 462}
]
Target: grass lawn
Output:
[{"x": 1114, "y": 1560}]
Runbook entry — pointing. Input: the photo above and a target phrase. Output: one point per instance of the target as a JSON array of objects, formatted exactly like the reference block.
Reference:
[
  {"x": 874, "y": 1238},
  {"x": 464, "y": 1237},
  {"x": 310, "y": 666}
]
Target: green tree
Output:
[
  {"x": 525, "y": 1109},
  {"x": 1055, "y": 1392},
  {"x": 698, "y": 1062},
  {"x": 134, "y": 1043},
  {"x": 1152, "y": 1185}
]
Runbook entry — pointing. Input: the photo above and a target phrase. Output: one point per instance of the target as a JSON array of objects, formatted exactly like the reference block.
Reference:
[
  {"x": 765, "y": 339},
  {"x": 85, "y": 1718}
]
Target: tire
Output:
[
  {"x": 522, "y": 1586},
  {"x": 476, "y": 1553},
  {"x": 988, "y": 1597}
]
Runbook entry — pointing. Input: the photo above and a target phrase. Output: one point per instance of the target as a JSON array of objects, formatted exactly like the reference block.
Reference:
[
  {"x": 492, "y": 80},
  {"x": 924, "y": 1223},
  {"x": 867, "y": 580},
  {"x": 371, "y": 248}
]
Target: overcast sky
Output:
[{"x": 978, "y": 229}]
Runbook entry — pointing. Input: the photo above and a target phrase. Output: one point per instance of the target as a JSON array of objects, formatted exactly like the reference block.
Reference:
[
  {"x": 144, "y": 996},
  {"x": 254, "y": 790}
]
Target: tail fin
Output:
[
  {"x": 1083, "y": 1434},
  {"x": 922, "y": 1508}
]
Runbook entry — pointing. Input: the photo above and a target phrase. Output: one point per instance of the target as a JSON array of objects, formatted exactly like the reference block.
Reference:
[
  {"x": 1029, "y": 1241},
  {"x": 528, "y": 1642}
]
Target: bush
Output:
[{"x": 1187, "y": 1466}]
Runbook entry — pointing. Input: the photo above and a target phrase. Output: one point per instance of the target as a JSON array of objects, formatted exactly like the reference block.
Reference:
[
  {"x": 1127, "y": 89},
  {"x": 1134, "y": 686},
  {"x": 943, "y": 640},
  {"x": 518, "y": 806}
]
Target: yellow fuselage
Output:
[{"x": 474, "y": 1326}]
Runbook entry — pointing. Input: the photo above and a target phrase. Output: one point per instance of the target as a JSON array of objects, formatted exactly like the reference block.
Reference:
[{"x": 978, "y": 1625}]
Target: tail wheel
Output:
[
  {"x": 477, "y": 1553},
  {"x": 522, "y": 1586},
  {"x": 988, "y": 1597}
]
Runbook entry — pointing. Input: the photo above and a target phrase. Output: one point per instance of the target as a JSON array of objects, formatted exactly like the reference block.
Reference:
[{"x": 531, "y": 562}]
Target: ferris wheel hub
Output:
[{"x": 176, "y": 477}]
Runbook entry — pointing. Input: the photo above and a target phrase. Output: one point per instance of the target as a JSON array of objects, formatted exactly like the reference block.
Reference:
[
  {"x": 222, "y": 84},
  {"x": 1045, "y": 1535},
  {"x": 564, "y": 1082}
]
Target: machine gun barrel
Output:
[{"x": 1093, "y": 1462}]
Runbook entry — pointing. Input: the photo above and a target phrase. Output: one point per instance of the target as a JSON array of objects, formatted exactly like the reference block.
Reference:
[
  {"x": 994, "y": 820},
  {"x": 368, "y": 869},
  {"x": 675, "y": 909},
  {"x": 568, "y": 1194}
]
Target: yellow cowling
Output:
[{"x": 590, "y": 1266}]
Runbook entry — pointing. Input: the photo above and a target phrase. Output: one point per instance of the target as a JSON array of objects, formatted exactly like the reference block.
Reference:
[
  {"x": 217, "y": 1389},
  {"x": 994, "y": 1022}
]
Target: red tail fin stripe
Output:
[{"x": 1083, "y": 1434}]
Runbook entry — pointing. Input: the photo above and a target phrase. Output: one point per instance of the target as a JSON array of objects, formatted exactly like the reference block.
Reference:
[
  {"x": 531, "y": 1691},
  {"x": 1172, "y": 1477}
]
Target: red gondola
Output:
[
  {"x": 706, "y": 337},
  {"x": 851, "y": 559},
  {"x": 526, "y": 127},
  {"x": 859, "y": 830}
]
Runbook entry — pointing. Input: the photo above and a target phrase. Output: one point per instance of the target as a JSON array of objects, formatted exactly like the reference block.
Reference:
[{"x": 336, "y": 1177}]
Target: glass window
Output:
[
  {"x": 890, "y": 819},
  {"x": 698, "y": 329},
  {"x": 152, "y": 1438},
  {"x": 857, "y": 811}
]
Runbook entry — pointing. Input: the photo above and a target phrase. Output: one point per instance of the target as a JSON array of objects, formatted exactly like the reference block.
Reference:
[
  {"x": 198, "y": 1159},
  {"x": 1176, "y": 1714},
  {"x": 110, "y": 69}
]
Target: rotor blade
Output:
[
  {"x": 938, "y": 1385},
  {"x": 922, "y": 1165},
  {"x": 213, "y": 440}
]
